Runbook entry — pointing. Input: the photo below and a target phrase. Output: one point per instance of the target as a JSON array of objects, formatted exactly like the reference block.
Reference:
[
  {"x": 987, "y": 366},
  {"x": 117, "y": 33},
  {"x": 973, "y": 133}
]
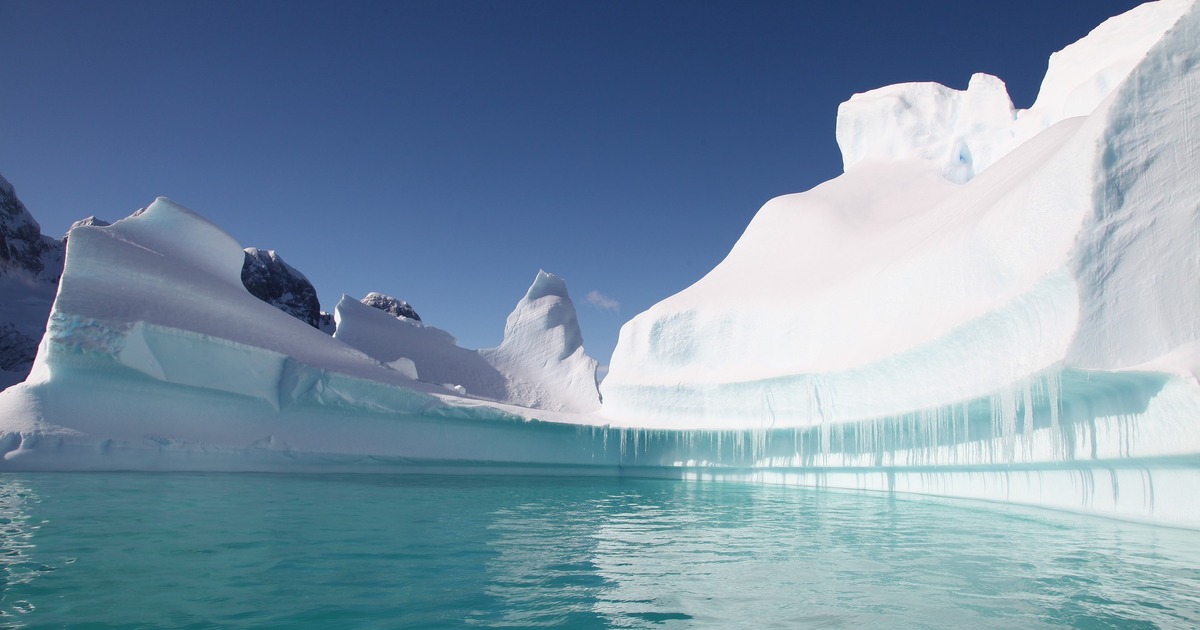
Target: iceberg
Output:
[
  {"x": 156, "y": 356},
  {"x": 988, "y": 303},
  {"x": 540, "y": 364}
]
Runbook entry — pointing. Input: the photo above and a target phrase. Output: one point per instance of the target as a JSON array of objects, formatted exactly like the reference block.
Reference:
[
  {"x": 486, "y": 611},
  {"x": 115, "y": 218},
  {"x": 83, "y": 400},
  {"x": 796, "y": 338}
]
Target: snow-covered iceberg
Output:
[
  {"x": 983, "y": 289},
  {"x": 541, "y": 364},
  {"x": 157, "y": 357},
  {"x": 949, "y": 262}
]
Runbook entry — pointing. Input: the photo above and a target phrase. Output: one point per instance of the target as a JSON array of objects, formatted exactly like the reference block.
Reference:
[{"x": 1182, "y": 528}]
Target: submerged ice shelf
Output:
[{"x": 989, "y": 303}]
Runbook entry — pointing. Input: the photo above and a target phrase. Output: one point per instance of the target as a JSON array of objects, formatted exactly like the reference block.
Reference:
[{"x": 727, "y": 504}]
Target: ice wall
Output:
[{"x": 988, "y": 302}]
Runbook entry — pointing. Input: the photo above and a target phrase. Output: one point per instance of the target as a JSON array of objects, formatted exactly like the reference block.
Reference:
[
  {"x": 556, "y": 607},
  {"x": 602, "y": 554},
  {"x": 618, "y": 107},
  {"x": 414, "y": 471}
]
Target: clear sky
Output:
[{"x": 443, "y": 152}]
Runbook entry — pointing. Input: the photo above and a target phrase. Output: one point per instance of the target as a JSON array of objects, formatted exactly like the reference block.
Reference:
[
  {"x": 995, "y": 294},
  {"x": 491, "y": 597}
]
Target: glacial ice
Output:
[
  {"x": 542, "y": 351},
  {"x": 906, "y": 284},
  {"x": 541, "y": 363},
  {"x": 989, "y": 303}
]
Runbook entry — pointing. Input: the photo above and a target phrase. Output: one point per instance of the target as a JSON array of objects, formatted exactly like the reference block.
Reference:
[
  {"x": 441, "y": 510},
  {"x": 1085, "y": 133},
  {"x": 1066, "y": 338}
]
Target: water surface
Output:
[{"x": 374, "y": 551}]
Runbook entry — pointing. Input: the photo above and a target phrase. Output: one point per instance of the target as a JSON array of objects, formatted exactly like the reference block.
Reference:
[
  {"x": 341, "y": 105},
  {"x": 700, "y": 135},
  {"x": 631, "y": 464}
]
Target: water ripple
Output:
[{"x": 264, "y": 551}]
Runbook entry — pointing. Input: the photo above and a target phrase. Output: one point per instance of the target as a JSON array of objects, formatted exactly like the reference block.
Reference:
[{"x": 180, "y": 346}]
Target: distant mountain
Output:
[
  {"x": 270, "y": 279},
  {"x": 30, "y": 266},
  {"x": 390, "y": 305},
  {"x": 24, "y": 251}
]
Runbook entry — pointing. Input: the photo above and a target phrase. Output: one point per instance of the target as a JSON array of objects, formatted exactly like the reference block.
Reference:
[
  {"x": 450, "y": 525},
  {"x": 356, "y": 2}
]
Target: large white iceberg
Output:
[
  {"x": 951, "y": 261},
  {"x": 988, "y": 303}
]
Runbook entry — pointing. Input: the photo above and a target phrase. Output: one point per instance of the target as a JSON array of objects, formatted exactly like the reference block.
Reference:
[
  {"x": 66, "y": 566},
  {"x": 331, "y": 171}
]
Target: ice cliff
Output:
[{"x": 989, "y": 302}]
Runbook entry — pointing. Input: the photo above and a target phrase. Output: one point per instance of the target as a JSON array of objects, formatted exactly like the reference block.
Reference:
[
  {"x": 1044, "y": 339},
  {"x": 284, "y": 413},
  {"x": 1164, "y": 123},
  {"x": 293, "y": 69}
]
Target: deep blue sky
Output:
[{"x": 442, "y": 152}]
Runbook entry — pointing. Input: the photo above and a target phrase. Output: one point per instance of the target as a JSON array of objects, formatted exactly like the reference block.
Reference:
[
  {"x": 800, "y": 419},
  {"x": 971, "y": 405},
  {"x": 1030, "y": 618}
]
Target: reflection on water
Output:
[
  {"x": 17, "y": 566},
  {"x": 724, "y": 555},
  {"x": 380, "y": 551}
]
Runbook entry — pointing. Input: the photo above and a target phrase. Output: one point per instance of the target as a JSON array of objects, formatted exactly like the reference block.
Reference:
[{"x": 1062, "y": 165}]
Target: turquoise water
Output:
[{"x": 346, "y": 551}]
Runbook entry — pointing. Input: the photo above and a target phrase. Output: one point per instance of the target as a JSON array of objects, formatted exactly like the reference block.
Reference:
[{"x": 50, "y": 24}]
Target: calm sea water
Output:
[{"x": 345, "y": 551}]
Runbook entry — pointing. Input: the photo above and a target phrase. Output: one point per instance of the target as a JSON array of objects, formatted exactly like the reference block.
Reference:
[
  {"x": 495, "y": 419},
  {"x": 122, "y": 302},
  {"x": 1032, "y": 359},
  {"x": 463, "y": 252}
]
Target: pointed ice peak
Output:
[
  {"x": 389, "y": 304},
  {"x": 545, "y": 284},
  {"x": 170, "y": 229},
  {"x": 542, "y": 353}
]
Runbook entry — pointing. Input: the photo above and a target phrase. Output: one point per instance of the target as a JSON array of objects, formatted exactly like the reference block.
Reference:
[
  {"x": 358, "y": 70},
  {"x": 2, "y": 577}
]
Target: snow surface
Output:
[
  {"x": 988, "y": 303},
  {"x": 542, "y": 352},
  {"x": 541, "y": 363}
]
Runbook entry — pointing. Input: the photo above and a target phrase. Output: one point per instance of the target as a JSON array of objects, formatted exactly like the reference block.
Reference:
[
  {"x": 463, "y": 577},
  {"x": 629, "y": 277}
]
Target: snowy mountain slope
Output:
[
  {"x": 30, "y": 265},
  {"x": 23, "y": 249}
]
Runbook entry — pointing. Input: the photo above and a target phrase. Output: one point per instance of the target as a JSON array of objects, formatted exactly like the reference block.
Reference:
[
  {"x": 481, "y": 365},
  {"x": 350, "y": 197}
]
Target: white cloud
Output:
[{"x": 602, "y": 302}]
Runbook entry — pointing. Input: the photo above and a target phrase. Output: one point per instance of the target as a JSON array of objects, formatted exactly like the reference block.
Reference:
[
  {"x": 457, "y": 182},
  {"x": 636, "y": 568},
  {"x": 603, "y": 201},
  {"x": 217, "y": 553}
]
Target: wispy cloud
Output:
[{"x": 602, "y": 302}]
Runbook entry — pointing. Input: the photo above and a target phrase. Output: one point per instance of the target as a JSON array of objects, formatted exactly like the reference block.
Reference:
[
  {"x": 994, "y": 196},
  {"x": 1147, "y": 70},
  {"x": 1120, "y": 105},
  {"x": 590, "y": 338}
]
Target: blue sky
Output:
[{"x": 443, "y": 152}]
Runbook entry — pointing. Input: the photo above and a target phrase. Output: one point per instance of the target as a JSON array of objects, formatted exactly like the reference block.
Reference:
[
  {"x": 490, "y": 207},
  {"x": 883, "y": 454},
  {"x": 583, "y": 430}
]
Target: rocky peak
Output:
[
  {"x": 23, "y": 249},
  {"x": 270, "y": 279},
  {"x": 389, "y": 304}
]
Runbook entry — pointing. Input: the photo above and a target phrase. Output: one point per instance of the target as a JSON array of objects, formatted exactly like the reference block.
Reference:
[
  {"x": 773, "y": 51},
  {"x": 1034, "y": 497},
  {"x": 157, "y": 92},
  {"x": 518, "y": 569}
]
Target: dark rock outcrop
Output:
[
  {"x": 23, "y": 249},
  {"x": 277, "y": 283},
  {"x": 388, "y": 304}
]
